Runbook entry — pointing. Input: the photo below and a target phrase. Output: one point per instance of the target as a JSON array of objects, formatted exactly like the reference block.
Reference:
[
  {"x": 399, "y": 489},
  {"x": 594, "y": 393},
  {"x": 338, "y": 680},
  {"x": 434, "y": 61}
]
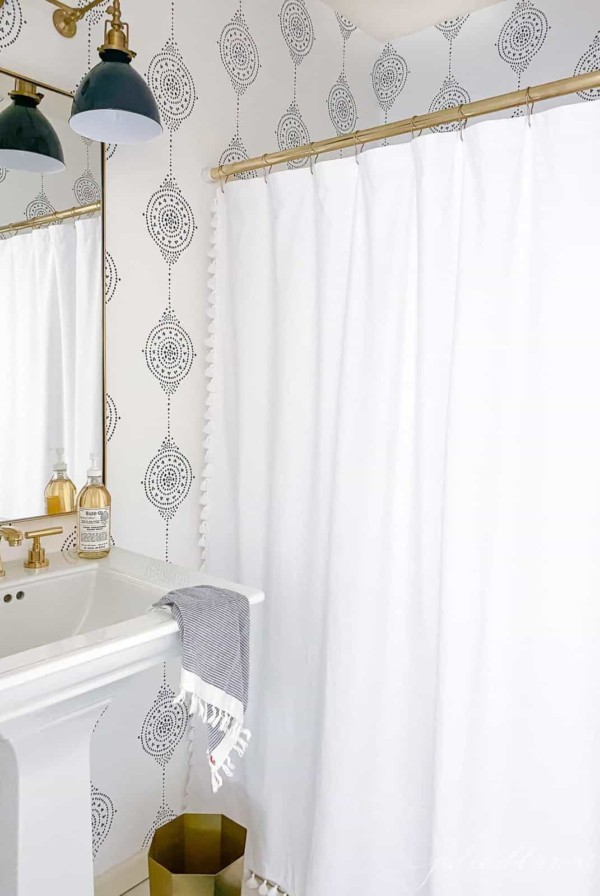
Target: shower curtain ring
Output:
[
  {"x": 463, "y": 121},
  {"x": 357, "y": 151},
  {"x": 223, "y": 178},
  {"x": 266, "y": 165},
  {"x": 529, "y": 104},
  {"x": 313, "y": 157},
  {"x": 413, "y": 128}
]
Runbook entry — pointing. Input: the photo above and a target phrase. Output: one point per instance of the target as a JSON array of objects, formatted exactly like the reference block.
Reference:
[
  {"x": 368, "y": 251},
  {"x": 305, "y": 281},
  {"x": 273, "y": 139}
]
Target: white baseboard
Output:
[{"x": 123, "y": 877}]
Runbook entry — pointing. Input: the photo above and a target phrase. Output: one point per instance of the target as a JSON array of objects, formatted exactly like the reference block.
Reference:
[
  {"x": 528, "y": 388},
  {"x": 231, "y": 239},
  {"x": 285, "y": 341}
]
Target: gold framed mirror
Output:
[{"x": 52, "y": 302}]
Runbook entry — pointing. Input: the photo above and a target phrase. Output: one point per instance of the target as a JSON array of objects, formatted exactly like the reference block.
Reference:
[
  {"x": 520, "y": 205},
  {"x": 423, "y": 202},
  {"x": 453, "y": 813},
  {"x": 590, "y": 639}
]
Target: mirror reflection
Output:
[{"x": 51, "y": 302}]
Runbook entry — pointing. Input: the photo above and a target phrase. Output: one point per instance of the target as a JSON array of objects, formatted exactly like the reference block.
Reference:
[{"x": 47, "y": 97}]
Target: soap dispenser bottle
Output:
[
  {"x": 93, "y": 516},
  {"x": 60, "y": 493}
]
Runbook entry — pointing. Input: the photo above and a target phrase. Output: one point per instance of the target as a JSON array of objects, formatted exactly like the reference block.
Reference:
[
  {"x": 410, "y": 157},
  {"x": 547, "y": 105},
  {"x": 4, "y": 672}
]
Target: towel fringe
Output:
[
  {"x": 264, "y": 887},
  {"x": 216, "y": 780},
  {"x": 241, "y": 744}
]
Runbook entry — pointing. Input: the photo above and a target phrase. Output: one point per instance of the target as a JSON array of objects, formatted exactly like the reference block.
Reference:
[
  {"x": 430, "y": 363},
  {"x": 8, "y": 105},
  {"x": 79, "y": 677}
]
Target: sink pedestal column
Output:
[{"x": 45, "y": 802}]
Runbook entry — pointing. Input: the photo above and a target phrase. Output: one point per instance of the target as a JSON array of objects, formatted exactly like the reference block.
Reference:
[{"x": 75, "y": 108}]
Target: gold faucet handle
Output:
[{"x": 36, "y": 559}]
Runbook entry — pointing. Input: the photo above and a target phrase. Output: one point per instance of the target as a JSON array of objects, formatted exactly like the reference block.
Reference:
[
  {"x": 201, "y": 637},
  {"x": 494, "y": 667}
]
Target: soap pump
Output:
[
  {"x": 93, "y": 515},
  {"x": 60, "y": 493}
]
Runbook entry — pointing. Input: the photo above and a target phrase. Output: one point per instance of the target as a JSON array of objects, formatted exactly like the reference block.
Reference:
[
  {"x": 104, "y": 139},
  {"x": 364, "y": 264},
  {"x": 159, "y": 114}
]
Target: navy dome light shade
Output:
[
  {"x": 113, "y": 103},
  {"x": 28, "y": 142}
]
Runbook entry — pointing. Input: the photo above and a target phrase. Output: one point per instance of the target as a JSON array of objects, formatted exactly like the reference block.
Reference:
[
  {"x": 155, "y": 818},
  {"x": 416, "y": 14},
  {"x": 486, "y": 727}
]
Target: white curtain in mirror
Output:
[
  {"x": 51, "y": 348},
  {"x": 406, "y": 457}
]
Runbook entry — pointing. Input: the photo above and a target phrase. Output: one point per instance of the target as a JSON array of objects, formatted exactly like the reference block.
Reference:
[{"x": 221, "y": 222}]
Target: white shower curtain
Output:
[
  {"x": 405, "y": 454},
  {"x": 50, "y": 359}
]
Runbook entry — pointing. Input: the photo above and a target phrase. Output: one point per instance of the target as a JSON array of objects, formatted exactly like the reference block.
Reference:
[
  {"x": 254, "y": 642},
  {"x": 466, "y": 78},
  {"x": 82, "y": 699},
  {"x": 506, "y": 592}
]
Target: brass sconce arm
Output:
[{"x": 65, "y": 17}]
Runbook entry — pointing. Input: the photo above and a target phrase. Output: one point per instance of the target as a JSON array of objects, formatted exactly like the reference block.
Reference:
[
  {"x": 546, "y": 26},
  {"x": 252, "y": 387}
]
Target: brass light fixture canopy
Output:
[
  {"x": 116, "y": 32},
  {"x": 26, "y": 88},
  {"x": 28, "y": 142},
  {"x": 113, "y": 103}
]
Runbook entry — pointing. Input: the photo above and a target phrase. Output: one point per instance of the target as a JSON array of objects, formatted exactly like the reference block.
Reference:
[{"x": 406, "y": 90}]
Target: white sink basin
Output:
[{"x": 70, "y": 636}]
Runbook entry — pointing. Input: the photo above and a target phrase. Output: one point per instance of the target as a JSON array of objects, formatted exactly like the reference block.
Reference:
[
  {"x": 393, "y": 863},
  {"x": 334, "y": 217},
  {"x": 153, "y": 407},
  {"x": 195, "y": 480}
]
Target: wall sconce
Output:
[
  {"x": 65, "y": 18},
  {"x": 113, "y": 103},
  {"x": 28, "y": 142}
]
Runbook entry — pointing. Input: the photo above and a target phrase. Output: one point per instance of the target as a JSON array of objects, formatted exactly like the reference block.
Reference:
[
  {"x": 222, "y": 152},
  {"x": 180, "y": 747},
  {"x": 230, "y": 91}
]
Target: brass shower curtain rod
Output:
[
  {"x": 52, "y": 218},
  {"x": 461, "y": 114}
]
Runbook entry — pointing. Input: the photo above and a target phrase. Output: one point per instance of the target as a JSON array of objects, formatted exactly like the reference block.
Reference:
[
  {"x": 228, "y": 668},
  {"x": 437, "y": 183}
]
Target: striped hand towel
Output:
[{"x": 214, "y": 625}]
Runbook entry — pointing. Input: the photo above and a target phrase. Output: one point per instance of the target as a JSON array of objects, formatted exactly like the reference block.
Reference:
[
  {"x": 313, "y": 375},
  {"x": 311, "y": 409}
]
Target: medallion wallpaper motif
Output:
[
  {"x": 298, "y": 33},
  {"x": 232, "y": 79},
  {"x": 169, "y": 351}
]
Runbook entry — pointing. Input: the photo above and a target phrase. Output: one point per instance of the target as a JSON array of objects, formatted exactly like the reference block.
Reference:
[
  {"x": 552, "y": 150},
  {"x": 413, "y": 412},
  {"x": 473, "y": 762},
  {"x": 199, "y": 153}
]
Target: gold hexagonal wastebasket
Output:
[{"x": 197, "y": 855}]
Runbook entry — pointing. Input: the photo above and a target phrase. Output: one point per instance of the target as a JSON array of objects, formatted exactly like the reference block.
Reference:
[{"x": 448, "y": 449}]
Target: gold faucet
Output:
[
  {"x": 36, "y": 559},
  {"x": 13, "y": 537}
]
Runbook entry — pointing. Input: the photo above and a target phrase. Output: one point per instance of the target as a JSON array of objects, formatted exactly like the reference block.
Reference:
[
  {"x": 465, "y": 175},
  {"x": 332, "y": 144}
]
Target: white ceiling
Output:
[{"x": 386, "y": 19}]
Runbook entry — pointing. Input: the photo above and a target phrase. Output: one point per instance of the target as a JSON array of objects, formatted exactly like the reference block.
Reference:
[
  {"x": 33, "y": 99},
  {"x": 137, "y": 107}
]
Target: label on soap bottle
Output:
[{"x": 94, "y": 529}]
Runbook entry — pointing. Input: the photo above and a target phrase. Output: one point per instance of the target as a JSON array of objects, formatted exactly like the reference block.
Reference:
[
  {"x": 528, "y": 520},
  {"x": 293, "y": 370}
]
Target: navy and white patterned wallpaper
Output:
[
  {"x": 522, "y": 37},
  {"x": 12, "y": 20},
  {"x": 169, "y": 351},
  {"x": 239, "y": 55},
  {"x": 233, "y": 79},
  {"x": 298, "y": 32},
  {"x": 162, "y": 730},
  {"x": 451, "y": 93}
]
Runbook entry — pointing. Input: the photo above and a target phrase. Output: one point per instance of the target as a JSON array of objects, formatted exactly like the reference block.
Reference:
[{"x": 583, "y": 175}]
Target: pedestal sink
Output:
[{"x": 70, "y": 637}]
